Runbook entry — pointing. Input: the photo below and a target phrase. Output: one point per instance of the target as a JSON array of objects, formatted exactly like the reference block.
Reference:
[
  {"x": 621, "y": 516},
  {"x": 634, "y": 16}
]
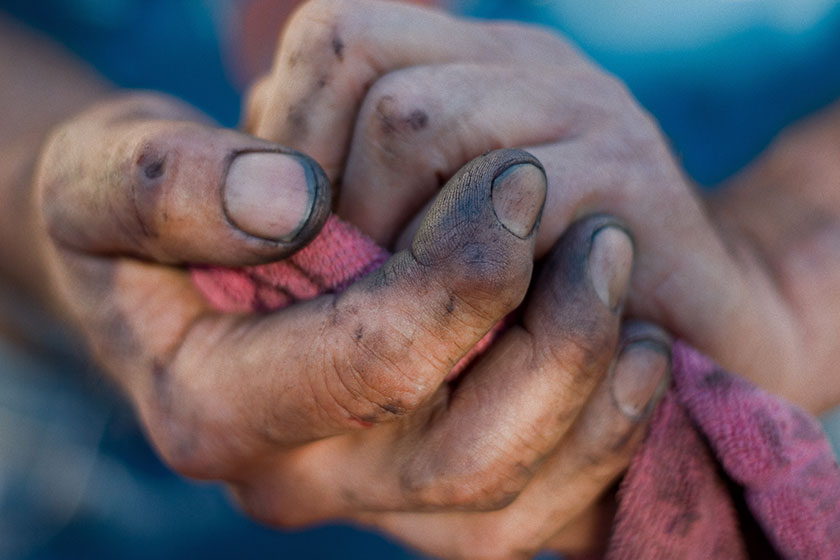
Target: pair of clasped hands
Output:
[{"x": 592, "y": 224}]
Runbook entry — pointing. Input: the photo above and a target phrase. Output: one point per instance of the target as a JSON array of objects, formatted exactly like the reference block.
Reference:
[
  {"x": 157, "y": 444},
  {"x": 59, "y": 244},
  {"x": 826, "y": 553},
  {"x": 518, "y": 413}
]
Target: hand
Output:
[
  {"x": 421, "y": 104},
  {"x": 336, "y": 407},
  {"x": 132, "y": 189},
  {"x": 784, "y": 213}
]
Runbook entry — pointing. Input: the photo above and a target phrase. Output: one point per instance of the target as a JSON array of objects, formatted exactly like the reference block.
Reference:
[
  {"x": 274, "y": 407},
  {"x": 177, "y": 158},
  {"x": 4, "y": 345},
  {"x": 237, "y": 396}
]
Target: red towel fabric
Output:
[
  {"x": 726, "y": 466},
  {"x": 726, "y": 470}
]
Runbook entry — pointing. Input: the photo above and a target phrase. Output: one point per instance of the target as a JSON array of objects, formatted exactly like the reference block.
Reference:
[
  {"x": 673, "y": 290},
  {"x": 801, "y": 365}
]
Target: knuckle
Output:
[
  {"x": 315, "y": 12},
  {"x": 637, "y": 164},
  {"x": 601, "y": 95},
  {"x": 135, "y": 165},
  {"x": 532, "y": 37},
  {"x": 149, "y": 181},
  {"x": 329, "y": 10},
  {"x": 606, "y": 92},
  {"x": 601, "y": 101},
  {"x": 181, "y": 446},
  {"x": 372, "y": 389},
  {"x": 317, "y": 27},
  {"x": 613, "y": 88},
  {"x": 324, "y": 48},
  {"x": 626, "y": 132},
  {"x": 366, "y": 382},
  {"x": 631, "y": 139},
  {"x": 147, "y": 164},
  {"x": 123, "y": 172},
  {"x": 394, "y": 112}
]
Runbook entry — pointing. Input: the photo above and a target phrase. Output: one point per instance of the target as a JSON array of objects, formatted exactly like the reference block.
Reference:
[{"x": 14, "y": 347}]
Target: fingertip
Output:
[
  {"x": 517, "y": 194},
  {"x": 610, "y": 264},
  {"x": 593, "y": 259},
  {"x": 467, "y": 212},
  {"x": 642, "y": 371},
  {"x": 585, "y": 278}
]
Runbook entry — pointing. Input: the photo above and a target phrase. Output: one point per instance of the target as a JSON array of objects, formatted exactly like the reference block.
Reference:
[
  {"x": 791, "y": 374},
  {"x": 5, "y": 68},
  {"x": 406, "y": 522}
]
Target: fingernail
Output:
[
  {"x": 640, "y": 376},
  {"x": 610, "y": 264},
  {"x": 518, "y": 197},
  {"x": 269, "y": 195}
]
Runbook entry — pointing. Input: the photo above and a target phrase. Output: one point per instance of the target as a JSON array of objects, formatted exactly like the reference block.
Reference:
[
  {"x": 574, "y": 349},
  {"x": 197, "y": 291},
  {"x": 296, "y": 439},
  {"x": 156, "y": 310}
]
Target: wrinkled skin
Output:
[
  {"x": 305, "y": 419},
  {"x": 284, "y": 406}
]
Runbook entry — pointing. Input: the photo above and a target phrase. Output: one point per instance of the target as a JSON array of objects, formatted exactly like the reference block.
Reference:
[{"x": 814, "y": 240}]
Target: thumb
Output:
[{"x": 145, "y": 177}]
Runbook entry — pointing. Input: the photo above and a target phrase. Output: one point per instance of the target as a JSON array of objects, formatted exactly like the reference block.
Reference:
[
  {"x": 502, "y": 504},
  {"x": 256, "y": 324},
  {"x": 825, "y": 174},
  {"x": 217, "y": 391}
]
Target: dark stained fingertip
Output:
[
  {"x": 466, "y": 205},
  {"x": 594, "y": 259}
]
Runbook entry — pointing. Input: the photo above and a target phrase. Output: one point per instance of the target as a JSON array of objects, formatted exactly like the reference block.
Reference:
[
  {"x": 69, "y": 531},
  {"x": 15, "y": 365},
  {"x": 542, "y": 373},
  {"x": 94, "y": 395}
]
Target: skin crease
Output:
[
  {"x": 153, "y": 318},
  {"x": 156, "y": 337}
]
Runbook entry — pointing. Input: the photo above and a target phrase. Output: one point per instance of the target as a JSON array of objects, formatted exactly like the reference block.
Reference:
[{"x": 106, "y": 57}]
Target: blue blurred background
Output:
[{"x": 77, "y": 479}]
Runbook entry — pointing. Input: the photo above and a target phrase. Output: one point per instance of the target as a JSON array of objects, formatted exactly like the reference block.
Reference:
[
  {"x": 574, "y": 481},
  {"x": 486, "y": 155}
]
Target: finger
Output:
[
  {"x": 603, "y": 441},
  {"x": 227, "y": 388},
  {"x": 687, "y": 278},
  {"x": 622, "y": 168},
  {"x": 418, "y": 124},
  {"x": 477, "y": 445},
  {"x": 255, "y": 102},
  {"x": 562, "y": 507},
  {"x": 515, "y": 405},
  {"x": 332, "y": 51},
  {"x": 142, "y": 177},
  {"x": 600, "y": 445},
  {"x": 678, "y": 251}
]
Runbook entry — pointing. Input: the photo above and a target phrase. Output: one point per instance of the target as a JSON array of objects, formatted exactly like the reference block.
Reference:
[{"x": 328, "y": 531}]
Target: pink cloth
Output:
[
  {"x": 333, "y": 260},
  {"x": 717, "y": 442},
  {"x": 726, "y": 470}
]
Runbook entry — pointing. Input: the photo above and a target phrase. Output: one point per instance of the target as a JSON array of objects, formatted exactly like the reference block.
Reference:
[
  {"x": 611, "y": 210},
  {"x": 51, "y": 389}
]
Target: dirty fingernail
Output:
[
  {"x": 269, "y": 195},
  {"x": 610, "y": 264},
  {"x": 518, "y": 197},
  {"x": 641, "y": 374}
]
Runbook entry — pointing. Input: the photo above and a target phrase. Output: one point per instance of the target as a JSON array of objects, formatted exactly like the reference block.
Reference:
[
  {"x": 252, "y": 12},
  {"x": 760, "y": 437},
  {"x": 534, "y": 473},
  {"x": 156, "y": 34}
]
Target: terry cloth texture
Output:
[{"x": 726, "y": 471}]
